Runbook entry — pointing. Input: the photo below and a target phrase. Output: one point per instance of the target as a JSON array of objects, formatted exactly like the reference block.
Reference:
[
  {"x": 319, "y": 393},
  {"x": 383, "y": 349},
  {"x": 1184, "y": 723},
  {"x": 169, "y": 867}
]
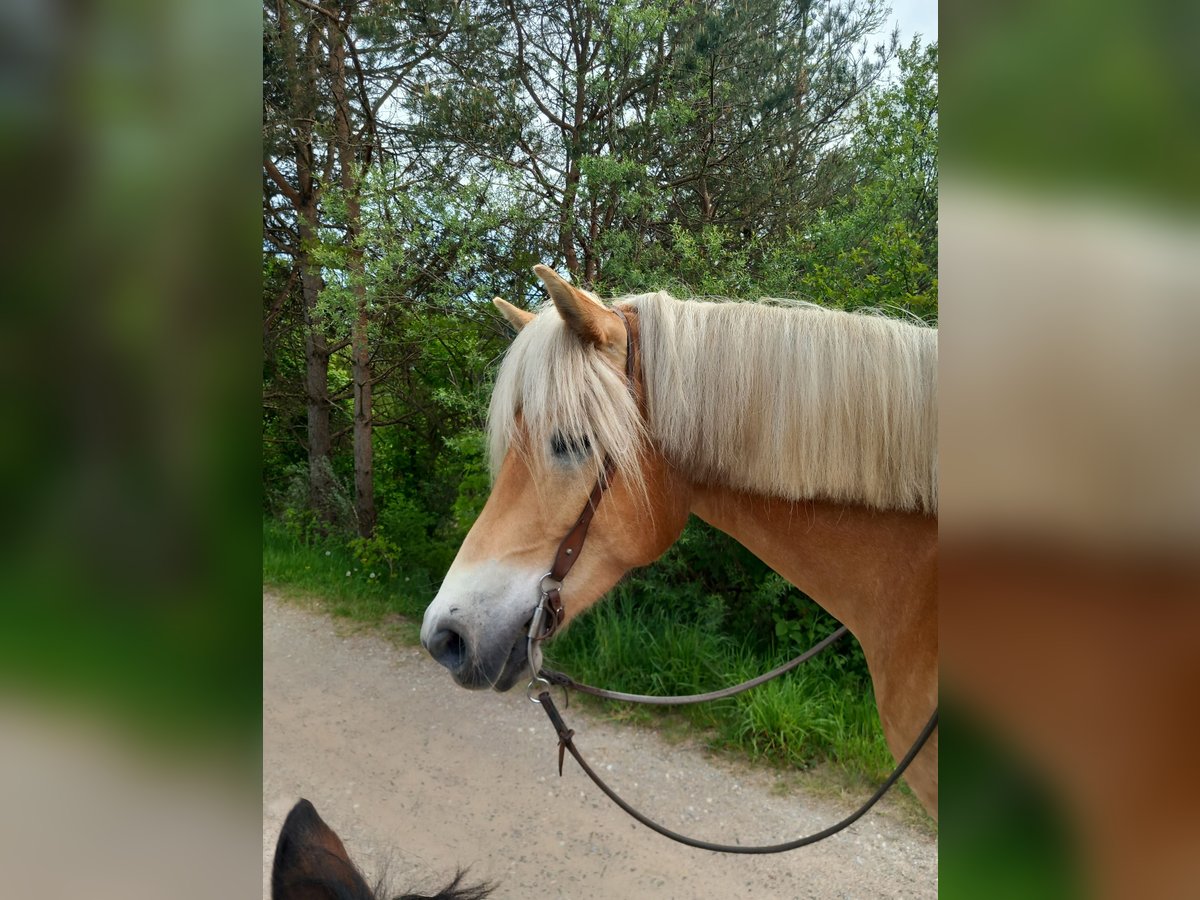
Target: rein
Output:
[
  {"x": 566, "y": 681},
  {"x": 548, "y": 616},
  {"x": 566, "y": 743}
]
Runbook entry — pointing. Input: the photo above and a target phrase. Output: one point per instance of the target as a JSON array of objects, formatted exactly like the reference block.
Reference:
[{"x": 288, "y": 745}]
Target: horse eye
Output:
[{"x": 563, "y": 447}]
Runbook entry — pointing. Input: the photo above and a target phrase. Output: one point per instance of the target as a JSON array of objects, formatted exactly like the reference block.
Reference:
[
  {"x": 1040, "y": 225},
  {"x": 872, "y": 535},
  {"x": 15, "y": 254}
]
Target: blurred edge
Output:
[
  {"x": 130, "y": 652},
  {"x": 1070, "y": 449},
  {"x": 1070, "y": 621}
]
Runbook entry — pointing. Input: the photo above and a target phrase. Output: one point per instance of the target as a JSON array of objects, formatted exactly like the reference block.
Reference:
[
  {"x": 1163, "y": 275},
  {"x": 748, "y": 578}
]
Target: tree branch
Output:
[
  {"x": 319, "y": 9},
  {"x": 285, "y": 188},
  {"x": 523, "y": 75}
]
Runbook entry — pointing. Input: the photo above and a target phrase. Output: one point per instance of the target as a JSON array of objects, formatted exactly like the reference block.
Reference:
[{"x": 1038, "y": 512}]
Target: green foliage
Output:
[
  {"x": 406, "y": 530},
  {"x": 468, "y": 457},
  {"x": 287, "y": 496},
  {"x": 375, "y": 553},
  {"x": 1012, "y": 835},
  {"x": 301, "y": 523},
  {"x": 877, "y": 245},
  {"x": 330, "y": 568},
  {"x": 874, "y": 245}
]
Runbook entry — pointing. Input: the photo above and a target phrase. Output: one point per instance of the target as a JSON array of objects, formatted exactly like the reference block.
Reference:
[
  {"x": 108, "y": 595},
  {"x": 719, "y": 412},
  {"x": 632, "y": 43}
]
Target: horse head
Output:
[{"x": 562, "y": 410}]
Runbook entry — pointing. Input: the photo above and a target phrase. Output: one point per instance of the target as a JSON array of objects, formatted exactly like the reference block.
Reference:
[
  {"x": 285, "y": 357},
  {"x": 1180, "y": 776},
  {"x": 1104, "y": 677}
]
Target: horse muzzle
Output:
[
  {"x": 477, "y": 624},
  {"x": 498, "y": 666}
]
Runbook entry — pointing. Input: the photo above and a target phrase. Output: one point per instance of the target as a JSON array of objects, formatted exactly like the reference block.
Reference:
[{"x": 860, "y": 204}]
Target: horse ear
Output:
[
  {"x": 518, "y": 318},
  {"x": 583, "y": 312},
  {"x": 311, "y": 863}
]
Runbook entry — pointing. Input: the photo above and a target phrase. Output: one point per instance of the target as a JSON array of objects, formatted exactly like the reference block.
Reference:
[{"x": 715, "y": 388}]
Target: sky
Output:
[{"x": 915, "y": 17}]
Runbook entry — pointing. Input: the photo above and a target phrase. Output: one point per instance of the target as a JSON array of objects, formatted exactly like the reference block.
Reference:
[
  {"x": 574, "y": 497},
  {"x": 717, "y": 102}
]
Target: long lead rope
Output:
[
  {"x": 566, "y": 743},
  {"x": 566, "y": 681}
]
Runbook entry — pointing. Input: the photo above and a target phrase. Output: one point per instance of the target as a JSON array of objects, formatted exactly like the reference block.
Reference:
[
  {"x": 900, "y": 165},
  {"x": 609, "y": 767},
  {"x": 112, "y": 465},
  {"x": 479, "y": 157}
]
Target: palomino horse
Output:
[
  {"x": 311, "y": 863},
  {"x": 809, "y": 435}
]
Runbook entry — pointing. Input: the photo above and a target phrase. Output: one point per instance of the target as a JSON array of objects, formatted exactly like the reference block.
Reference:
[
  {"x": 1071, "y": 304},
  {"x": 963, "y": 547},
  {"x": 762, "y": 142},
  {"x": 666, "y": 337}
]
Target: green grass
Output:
[
  {"x": 327, "y": 569},
  {"x": 819, "y": 714},
  {"x": 1009, "y": 834},
  {"x": 799, "y": 719}
]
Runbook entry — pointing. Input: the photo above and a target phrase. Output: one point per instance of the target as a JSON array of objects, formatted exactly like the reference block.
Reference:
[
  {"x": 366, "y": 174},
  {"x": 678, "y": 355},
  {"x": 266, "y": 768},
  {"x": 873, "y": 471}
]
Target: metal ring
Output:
[
  {"x": 529, "y": 688},
  {"x": 555, "y": 584}
]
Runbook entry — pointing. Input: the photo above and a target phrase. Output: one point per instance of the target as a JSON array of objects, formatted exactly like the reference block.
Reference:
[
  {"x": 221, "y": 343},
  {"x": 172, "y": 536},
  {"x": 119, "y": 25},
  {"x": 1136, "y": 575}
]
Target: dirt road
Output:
[{"x": 421, "y": 776}]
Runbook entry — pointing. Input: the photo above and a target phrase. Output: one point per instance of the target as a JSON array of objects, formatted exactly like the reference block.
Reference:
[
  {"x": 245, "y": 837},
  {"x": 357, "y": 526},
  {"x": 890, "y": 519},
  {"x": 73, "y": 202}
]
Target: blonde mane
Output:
[
  {"x": 561, "y": 387},
  {"x": 793, "y": 401}
]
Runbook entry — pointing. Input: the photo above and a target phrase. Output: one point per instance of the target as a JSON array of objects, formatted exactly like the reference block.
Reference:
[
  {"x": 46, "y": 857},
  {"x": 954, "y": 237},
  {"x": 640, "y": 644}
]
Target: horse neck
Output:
[{"x": 874, "y": 570}]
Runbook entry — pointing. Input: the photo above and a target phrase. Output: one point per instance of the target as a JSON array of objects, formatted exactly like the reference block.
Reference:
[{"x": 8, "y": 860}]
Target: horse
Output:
[
  {"x": 311, "y": 863},
  {"x": 807, "y": 434}
]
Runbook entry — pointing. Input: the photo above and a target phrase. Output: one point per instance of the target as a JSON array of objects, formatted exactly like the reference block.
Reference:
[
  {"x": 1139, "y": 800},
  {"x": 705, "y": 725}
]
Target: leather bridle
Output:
[
  {"x": 548, "y": 617},
  {"x": 549, "y": 614}
]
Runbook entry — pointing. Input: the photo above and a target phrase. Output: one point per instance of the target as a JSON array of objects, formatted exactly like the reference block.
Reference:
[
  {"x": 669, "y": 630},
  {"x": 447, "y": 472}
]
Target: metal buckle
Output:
[
  {"x": 538, "y": 630},
  {"x": 535, "y": 624},
  {"x": 536, "y": 635},
  {"x": 545, "y": 618},
  {"x": 532, "y": 639}
]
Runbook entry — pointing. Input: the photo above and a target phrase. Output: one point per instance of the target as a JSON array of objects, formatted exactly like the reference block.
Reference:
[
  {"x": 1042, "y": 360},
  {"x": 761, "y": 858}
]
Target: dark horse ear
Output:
[{"x": 311, "y": 863}]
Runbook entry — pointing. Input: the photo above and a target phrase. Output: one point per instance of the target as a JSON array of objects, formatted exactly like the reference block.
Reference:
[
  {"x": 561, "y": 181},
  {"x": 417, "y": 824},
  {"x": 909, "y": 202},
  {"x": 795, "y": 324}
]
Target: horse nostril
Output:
[{"x": 448, "y": 647}]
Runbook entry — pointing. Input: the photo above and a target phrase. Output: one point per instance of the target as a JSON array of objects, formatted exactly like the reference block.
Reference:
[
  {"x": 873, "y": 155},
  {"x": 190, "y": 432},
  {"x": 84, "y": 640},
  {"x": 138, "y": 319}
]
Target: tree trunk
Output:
[
  {"x": 321, "y": 485},
  {"x": 360, "y": 355},
  {"x": 566, "y": 226},
  {"x": 364, "y": 472},
  {"x": 302, "y": 53}
]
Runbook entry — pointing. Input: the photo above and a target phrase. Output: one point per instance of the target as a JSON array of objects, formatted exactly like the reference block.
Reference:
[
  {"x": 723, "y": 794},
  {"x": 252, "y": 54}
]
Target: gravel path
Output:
[{"x": 419, "y": 776}]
